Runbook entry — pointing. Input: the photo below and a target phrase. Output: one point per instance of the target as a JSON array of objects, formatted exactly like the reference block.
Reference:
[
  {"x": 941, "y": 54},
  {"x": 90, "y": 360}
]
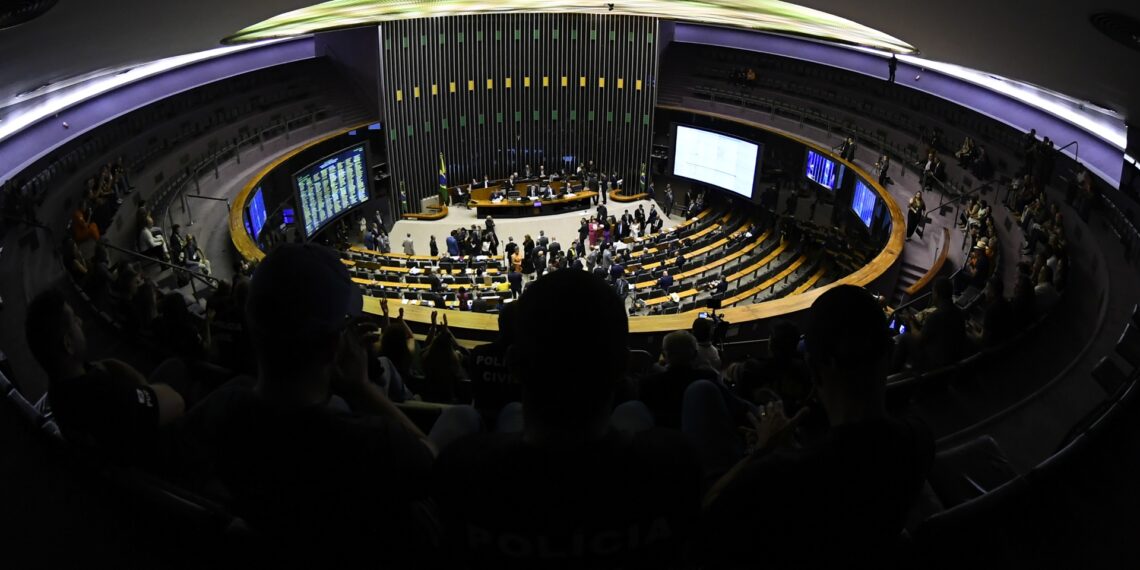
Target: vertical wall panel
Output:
[{"x": 540, "y": 123}]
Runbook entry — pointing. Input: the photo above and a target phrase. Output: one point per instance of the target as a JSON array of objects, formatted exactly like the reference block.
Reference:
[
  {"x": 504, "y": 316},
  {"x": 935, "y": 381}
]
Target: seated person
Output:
[
  {"x": 784, "y": 372},
  {"x": 195, "y": 257},
  {"x": 720, "y": 288},
  {"x": 177, "y": 245},
  {"x": 354, "y": 493},
  {"x": 940, "y": 338},
  {"x": 1045, "y": 293},
  {"x": 704, "y": 329},
  {"x": 82, "y": 228},
  {"x": 998, "y": 322},
  {"x": 106, "y": 404},
  {"x": 845, "y": 497},
  {"x": 665, "y": 281},
  {"x": 580, "y": 486},
  {"x": 492, "y": 386},
  {"x": 151, "y": 242},
  {"x": 663, "y": 392}
]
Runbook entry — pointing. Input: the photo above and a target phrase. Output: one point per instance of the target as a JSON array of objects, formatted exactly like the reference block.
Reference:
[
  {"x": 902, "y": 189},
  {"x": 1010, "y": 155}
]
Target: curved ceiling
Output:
[
  {"x": 762, "y": 15},
  {"x": 1050, "y": 43}
]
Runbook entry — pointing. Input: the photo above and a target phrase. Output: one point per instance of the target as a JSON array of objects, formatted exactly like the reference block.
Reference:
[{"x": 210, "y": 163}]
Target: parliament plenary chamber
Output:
[{"x": 518, "y": 284}]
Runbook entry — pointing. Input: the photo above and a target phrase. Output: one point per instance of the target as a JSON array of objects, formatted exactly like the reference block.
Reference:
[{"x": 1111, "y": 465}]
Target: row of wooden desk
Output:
[{"x": 531, "y": 205}]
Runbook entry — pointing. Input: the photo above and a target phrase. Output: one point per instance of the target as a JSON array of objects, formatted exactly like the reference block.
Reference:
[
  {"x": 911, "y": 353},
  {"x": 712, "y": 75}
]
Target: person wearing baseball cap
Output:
[{"x": 314, "y": 479}]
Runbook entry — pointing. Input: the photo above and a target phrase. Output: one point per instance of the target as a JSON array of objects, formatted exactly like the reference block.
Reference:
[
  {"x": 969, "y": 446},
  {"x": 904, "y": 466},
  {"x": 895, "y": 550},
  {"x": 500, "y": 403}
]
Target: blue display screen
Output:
[
  {"x": 287, "y": 215},
  {"x": 823, "y": 170},
  {"x": 257, "y": 212},
  {"x": 863, "y": 202},
  {"x": 332, "y": 186}
]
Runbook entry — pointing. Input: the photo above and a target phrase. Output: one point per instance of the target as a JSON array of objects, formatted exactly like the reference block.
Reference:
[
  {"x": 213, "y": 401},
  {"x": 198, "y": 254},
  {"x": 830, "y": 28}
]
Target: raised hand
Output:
[{"x": 772, "y": 427}]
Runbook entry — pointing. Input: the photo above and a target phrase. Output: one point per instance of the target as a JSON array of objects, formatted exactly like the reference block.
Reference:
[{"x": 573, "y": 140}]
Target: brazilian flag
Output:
[
  {"x": 444, "y": 197},
  {"x": 643, "y": 179}
]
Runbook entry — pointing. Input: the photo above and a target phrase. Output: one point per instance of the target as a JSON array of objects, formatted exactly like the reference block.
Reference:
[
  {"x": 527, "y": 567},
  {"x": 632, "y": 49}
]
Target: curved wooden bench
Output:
[
  {"x": 767, "y": 283},
  {"x": 439, "y": 214},
  {"x": 617, "y": 196},
  {"x": 708, "y": 266},
  {"x": 807, "y": 285},
  {"x": 694, "y": 237},
  {"x": 395, "y": 255},
  {"x": 934, "y": 269},
  {"x": 764, "y": 261}
]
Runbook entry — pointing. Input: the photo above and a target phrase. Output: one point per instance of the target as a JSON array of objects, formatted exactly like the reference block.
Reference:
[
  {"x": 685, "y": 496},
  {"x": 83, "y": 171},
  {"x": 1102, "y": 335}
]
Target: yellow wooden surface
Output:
[
  {"x": 710, "y": 265},
  {"x": 431, "y": 214},
  {"x": 934, "y": 269},
  {"x": 693, "y": 237},
  {"x": 617, "y": 196},
  {"x": 807, "y": 285},
  {"x": 767, "y": 282},
  {"x": 505, "y": 204}
]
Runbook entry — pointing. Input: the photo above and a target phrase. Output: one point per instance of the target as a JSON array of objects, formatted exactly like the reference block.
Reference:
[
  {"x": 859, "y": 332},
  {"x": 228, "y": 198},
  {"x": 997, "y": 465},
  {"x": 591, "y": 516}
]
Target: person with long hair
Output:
[{"x": 916, "y": 210}]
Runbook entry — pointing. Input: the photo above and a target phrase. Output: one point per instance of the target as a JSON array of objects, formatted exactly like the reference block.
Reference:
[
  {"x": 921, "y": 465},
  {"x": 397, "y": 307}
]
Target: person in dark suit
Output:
[
  {"x": 892, "y": 66},
  {"x": 490, "y": 223},
  {"x": 720, "y": 288},
  {"x": 622, "y": 287},
  {"x": 486, "y": 181},
  {"x": 452, "y": 245},
  {"x": 847, "y": 149},
  {"x": 516, "y": 282},
  {"x": 602, "y": 213},
  {"x": 434, "y": 282},
  {"x": 511, "y": 247},
  {"x": 665, "y": 281}
]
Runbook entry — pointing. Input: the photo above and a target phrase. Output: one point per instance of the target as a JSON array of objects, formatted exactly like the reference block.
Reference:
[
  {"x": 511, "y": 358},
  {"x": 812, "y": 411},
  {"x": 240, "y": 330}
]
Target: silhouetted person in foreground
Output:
[
  {"x": 317, "y": 481},
  {"x": 583, "y": 485},
  {"x": 107, "y": 404},
  {"x": 840, "y": 502}
]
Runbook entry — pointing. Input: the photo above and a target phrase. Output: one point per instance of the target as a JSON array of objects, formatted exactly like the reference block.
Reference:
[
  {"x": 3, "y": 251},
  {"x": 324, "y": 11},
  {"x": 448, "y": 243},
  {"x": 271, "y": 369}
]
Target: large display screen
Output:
[
  {"x": 723, "y": 161},
  {"x": 257, "y": 213},
  {"x": 823, "y": 170},
  {"x": 863, "y": 202},
  {"x": 331, "y": 186}
]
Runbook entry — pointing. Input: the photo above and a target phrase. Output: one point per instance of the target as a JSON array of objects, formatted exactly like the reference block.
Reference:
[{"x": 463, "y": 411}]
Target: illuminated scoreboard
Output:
[{"x": 331, "y": 186}]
